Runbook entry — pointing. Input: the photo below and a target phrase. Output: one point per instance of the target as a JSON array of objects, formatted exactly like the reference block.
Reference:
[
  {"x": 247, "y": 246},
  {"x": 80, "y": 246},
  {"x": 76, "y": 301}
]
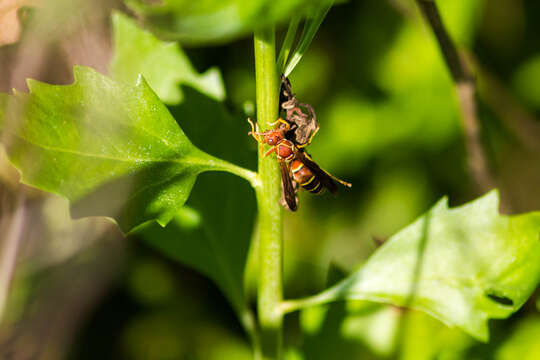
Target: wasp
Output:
[{"x": 296, "y": 166}]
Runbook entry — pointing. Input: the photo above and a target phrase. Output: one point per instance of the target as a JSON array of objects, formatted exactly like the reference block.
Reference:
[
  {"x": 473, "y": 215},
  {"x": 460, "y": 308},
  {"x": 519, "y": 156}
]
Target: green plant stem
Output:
[
  {"x": 270, "y": 292},
  {"x": 289, "y": 306},
  {"x": 10, "y": 250},
  {"x": 222, "y": 165},
  {"x": 326, "y": 296},
  {"x": 247, "y": 319}
]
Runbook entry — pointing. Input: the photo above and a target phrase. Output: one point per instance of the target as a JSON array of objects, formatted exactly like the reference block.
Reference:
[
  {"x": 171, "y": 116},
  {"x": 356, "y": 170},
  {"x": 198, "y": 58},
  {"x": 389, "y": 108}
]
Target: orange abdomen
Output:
[{"x": 305, "y": 177}]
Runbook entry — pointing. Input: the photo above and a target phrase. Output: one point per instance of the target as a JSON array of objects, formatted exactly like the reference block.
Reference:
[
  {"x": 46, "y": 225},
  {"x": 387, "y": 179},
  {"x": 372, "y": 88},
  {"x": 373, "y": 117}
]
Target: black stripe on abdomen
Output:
[{"x": 313, "y": 186}]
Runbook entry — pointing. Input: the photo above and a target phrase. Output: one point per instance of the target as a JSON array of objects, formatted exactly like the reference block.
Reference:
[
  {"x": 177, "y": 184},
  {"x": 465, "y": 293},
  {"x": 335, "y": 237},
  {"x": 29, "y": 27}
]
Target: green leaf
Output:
[
  {"x": 112, "y": 149},
  {"x": 384, "y": 330},
  {"x": 322, "y": 328},
  {"x": 163, "y": 64},
  {"x": 288, "y": 42},
  {"x": 312, "y": 24},
  {"x": 377, "y": 328},
  {"x": 444, "y": 342},
  {"x": 210, "y": 21},
  {"x": 213, "y": 234},
  {"x": 462, "y": 266}
]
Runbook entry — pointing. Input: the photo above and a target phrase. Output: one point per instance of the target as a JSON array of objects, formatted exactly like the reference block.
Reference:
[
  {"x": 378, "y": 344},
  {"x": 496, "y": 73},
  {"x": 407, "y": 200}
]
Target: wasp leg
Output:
[
  {"x": 281, "y": 121},
  {"x": 310, "y": 138},
  {"x": 254, "y": 133},
  {"x": 311, "y": 111},
  {"x": 273, "y": 149}
]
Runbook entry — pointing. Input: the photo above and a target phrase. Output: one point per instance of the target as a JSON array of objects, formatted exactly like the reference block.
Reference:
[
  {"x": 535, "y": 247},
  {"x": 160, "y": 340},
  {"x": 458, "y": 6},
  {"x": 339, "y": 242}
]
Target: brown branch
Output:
[
  {"x": 517, "y": 118},
  {"x": 466, "y": 91},
  {"x": 10, "y": 249}
]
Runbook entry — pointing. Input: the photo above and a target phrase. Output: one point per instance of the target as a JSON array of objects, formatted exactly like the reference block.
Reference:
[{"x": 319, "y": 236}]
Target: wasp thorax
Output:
[{"x": 285, "y": 150}]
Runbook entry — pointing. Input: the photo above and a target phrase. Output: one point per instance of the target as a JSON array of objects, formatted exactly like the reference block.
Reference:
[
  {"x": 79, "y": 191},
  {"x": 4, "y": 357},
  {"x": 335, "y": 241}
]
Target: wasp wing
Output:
[
  {"x": 288, "y": 189},
  {"x": 322, "y": 176}
]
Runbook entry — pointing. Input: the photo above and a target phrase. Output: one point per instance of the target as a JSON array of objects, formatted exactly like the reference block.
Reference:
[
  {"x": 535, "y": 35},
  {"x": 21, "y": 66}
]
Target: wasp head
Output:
[{"x": 273, "y": 137}]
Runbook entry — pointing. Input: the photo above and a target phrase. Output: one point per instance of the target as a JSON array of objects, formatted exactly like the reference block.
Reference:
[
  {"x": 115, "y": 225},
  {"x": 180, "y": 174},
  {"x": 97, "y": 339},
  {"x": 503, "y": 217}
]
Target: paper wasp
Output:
[{"x": 295, "y": 164}]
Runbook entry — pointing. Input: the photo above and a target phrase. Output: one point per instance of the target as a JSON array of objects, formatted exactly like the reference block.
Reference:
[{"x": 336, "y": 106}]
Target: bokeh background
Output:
[{"x": 389, "y": 124}]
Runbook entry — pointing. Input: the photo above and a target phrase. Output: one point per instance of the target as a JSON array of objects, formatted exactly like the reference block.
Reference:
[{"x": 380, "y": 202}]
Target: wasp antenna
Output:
[
  {"x": 280, "y": 121},
  {"x": 347, "y": 184},
  {"x": 252, "y": 125},
  {"x": 342, "y": 182},
  {"x": 254, "y": 133}
]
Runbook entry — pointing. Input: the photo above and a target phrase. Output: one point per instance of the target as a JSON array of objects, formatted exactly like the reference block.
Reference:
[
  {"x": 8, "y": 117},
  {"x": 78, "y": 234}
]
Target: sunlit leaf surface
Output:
[
  {"x": 380, "y": 331},
  {"x": 462, "y": 265},
  {"x": 112, "y": 149},
  {"x": 163, "y": 64}
]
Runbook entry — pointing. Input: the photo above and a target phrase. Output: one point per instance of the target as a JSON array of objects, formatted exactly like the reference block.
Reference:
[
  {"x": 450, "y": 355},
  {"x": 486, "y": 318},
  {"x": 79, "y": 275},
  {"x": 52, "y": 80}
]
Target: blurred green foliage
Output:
[
  {"x": 528, "y": 90},
  {"x": 208, "y": 21},
  {"x": 523, "y": 341},
  {"x": 389, "y": 123},
  {"x": 163, "y": 65}
]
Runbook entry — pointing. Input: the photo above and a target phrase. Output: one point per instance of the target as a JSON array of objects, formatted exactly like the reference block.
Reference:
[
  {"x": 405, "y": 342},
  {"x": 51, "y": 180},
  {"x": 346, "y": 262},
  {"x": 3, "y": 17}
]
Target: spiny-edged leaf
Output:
[
  {"x": 462, "y": 265},
  {"x": 212, "y": 235},
  {"x": 163, "y": 64},
  {"x": 113, "y": 149},
  {"x": 207, "y": 21}
]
